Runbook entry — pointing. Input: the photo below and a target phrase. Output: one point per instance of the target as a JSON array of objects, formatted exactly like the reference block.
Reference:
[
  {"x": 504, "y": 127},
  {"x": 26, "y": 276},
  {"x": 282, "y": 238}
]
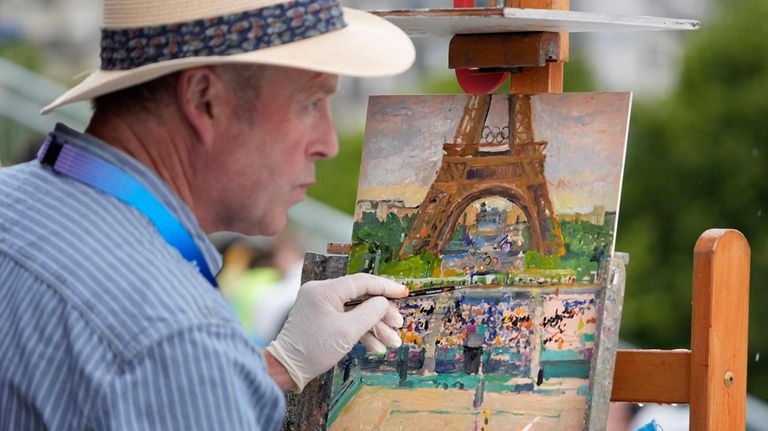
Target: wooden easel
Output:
[{"x": 712, "y": 375}]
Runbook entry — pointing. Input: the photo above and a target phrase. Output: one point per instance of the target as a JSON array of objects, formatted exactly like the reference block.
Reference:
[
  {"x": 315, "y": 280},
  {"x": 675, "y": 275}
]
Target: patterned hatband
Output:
[{"x": 124, "y": 49}]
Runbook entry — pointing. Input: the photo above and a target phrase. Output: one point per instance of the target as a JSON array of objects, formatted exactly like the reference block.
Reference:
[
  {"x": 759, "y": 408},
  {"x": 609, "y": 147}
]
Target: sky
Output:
[{"x": 586, "y": 136}]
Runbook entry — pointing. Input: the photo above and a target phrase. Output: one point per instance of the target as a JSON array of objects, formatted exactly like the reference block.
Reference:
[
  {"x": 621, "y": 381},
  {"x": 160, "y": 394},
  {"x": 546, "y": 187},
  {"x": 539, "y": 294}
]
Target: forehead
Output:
[{"x": 300, "y": 82}]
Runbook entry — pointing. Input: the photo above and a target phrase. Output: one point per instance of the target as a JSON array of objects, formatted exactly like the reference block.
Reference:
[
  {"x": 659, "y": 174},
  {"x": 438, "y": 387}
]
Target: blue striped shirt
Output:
[{"x": 105, "y": 326}]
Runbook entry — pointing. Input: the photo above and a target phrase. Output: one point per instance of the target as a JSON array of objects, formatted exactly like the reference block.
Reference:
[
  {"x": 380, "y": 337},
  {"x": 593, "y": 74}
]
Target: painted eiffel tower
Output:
[{"x": 479, "y": 164}]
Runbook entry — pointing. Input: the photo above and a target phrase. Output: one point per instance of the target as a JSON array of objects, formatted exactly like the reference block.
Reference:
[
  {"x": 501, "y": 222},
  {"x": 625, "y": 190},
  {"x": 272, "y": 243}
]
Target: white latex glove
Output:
[{"x": 318, "y": 332}]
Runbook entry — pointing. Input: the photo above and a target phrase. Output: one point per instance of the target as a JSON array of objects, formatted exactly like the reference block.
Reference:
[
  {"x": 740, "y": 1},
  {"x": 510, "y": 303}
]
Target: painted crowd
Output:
[{"x": 516, "y": 333}]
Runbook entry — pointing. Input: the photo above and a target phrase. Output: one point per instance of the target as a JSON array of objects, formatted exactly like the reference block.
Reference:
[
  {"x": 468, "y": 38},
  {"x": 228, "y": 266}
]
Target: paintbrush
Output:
[{"x": 420, "y": 292}]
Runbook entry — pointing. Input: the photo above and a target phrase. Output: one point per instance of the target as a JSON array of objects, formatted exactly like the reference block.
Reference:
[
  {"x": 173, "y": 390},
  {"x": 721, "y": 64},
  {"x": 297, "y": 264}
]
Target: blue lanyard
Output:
[{"x": 84, "y": 167}]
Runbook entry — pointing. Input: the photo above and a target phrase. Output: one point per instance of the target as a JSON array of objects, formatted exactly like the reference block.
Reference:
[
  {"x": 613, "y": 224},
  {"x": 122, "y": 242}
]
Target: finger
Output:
[
  {"x": 357, "y": 285},
  {"x": 386, "y": 335},
  {"x": 364, "y": 316},
  {"x": 372, "y": 343},
  {"x": 393, "y": 318}
]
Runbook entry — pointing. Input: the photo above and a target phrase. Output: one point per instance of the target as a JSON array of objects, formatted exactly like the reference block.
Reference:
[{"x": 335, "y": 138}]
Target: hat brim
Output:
[{"x": 368, "y": 46}]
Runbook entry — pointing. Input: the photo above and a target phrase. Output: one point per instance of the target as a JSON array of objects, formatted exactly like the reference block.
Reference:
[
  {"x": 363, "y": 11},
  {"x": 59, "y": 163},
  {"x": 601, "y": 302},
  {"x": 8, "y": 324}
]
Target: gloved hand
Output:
[{"x": 318, "y": 332}]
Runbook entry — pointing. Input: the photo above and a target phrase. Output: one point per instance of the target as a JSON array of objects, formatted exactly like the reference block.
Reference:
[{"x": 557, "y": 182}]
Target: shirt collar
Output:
[{"x": 151, "y": 181}]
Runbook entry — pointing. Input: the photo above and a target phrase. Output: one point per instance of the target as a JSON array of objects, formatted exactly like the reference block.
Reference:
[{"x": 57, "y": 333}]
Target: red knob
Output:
[
  {"x": 473, "y": 81},
  {"x": 463, "y": 3}
]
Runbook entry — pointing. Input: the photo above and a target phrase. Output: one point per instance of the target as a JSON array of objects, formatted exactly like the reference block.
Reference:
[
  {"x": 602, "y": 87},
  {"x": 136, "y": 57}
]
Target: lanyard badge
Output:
[{"x": 105, "y": 177}]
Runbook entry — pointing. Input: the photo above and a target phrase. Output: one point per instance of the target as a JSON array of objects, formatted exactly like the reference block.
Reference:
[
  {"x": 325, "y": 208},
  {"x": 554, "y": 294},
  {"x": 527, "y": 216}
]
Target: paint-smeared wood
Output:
[
  {"x": 448, "y": 22},
  {"x": 660, "y": 376},
  {"x": 322, "y": 267},
  {"x": 505, "y": 50},
  {"x": 537, "y": 4},
  {"x": 308, "y": 411},
  {"x": 719, "y": 331},
  {"x": 610, "y": 300},
  {"x": 338, "y": 247}
]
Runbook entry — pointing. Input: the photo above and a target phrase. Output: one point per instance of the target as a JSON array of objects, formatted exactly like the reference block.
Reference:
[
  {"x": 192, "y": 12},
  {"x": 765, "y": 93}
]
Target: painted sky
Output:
[{"x": 586, "y": 135}]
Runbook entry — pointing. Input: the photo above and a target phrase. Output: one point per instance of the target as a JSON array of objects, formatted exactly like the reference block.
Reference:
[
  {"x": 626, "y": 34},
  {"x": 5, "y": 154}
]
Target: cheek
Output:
[
  {"x": 253, "y": 164},
  {"x": 245, "y": 173},
  {"x": 291, "y": 165}
]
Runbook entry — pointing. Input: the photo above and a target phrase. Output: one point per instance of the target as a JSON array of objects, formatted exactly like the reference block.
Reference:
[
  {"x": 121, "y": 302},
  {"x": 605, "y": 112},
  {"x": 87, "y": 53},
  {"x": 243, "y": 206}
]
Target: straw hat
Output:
[{"x": 145, "y": 39}]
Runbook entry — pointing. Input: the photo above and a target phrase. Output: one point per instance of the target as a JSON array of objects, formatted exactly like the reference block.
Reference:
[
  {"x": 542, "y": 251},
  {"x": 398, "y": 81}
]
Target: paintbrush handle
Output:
[{"x": 422, "y": 292}]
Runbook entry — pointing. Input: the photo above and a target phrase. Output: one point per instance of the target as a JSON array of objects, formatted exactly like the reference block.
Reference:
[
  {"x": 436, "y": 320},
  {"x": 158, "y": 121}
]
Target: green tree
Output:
[
  {"x": 383, "y": 237},
  {"x": 25, "y": 54},
  {"x": 697, "y": 159},
  {"x": 16, "y": 140}
]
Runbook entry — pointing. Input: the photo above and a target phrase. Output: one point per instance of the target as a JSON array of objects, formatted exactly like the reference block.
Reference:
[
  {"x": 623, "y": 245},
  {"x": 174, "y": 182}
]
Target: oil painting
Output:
[{"x": 498, "y": 212}]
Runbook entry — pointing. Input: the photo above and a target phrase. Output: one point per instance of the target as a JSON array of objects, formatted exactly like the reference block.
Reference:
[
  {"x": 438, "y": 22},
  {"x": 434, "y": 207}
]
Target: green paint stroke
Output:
[
  {"x": 338, "y": 406},
  {"x": 579, "y": 369},
  {"x": 561, "y": 355}
]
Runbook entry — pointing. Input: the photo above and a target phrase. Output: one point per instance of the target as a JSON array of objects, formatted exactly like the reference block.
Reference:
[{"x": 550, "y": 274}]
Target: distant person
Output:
[
  {"x": 401, "y": 363},
  {"x": 473, "y": 348}
]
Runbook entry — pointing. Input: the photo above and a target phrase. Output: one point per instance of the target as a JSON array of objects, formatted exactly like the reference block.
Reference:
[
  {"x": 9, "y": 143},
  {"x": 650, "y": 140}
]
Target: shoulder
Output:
[
  {"x": 46, "y": 213},
  {"x": 103, "y": 258}
]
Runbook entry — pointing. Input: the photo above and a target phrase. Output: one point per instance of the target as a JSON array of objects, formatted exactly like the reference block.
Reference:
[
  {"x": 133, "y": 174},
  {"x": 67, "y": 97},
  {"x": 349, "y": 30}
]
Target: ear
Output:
[{"x": 200, "y": 95}]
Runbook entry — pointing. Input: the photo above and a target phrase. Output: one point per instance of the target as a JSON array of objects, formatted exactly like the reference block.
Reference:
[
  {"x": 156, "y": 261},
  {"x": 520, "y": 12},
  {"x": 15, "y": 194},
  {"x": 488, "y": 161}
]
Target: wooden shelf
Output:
[{"x": 449, "y": 22}]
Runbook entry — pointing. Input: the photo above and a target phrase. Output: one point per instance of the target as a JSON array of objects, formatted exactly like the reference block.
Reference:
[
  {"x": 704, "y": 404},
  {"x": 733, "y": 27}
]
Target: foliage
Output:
[
  {"x": 356, "y": 257},
  {"x": 25, "y": 54},
  {"x": 419, "y": 266},
  {"x": 16, "y": 141},
  {"x": 577, "y": 75},
  {"x": 585, "y": 245},
  {"x": 584, "y": 237},
  {"x": 384, "y": 238},
  {"x": 536, "y": 260},
  {"x": 697, "y": 160}
]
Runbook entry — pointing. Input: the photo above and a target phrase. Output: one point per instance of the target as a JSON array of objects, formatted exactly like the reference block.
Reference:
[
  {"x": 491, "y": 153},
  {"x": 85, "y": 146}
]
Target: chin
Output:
[
  {"x": 272, "y": 225},
  {"x": 259, "y": 229},
  {"x": 267, "y": 223},
  {"x": 272, "y": 230}
]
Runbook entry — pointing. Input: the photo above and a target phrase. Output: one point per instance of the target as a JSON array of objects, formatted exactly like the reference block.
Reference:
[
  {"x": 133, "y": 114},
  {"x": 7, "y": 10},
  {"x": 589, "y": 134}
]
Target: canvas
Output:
[{"x": 504, "y": 208}]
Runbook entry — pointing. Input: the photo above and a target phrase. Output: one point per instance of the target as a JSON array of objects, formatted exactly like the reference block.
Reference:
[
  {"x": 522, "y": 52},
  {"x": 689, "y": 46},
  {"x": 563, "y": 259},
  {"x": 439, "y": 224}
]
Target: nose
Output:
[
  {"x": 326, "y": 143},
  {"x": 330, "y": 147}
]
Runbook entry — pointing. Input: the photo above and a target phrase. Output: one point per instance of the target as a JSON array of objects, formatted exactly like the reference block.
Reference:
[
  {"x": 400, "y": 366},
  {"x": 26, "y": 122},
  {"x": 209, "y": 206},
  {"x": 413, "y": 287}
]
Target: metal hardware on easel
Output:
[{"x": 729, "y": 378}]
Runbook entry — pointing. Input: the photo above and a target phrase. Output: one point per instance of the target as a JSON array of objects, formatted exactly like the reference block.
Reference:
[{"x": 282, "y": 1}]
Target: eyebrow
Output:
[{"x": 321, "y": 82}]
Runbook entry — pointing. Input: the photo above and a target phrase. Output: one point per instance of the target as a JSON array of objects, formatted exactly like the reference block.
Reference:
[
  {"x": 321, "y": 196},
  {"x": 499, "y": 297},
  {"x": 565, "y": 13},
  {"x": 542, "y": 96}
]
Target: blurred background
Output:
[{"x": 696, "y": 158}]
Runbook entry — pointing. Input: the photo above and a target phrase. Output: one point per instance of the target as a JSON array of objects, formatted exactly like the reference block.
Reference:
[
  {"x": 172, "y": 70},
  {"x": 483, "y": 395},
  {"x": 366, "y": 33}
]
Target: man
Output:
[{"x": 209, "y": 115}]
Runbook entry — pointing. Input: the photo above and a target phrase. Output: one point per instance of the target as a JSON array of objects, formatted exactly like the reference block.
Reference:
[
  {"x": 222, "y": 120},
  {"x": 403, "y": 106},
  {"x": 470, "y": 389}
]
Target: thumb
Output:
[{"x": 363, "y": 317}]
